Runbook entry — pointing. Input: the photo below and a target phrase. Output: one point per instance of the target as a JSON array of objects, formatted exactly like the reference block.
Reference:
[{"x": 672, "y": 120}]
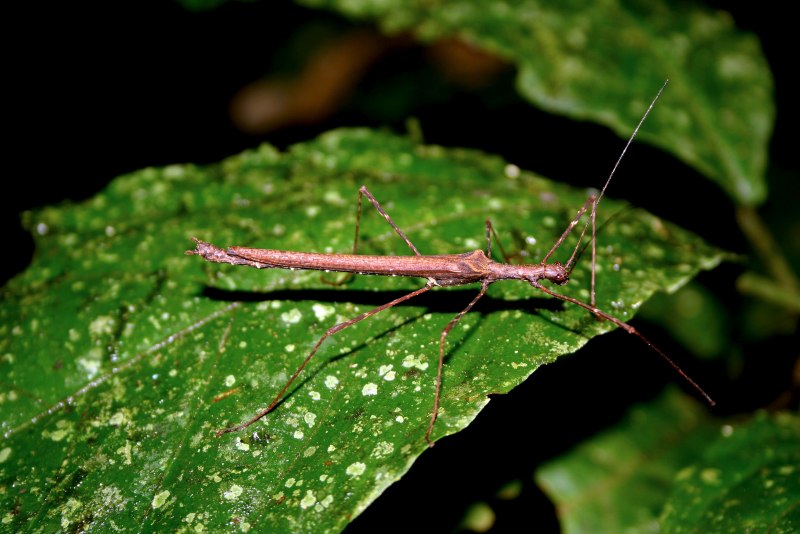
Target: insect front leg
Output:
[{"x": 363, "y": 191}]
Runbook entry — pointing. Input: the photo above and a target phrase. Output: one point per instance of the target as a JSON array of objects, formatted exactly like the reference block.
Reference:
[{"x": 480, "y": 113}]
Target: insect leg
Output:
[
  {"x": 442, "y": 339},
  {"x": 332, "y": 330}
]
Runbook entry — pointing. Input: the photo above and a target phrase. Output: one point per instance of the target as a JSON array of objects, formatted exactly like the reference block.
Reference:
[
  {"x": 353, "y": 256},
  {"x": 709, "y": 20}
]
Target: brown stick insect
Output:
[{"x": 438, "y": 270}]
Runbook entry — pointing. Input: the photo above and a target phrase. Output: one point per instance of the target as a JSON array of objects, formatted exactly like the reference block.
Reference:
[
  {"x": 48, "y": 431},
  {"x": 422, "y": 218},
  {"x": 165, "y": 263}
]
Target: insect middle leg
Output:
[
  {"x": 442, "y": 338},
  {"x": 364, "y": 192},
  {"x": 490, "y": 233}
]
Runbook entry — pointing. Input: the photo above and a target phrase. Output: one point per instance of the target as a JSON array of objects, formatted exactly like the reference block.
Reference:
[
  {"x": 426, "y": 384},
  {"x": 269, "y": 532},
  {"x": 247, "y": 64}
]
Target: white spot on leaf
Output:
[
  {"x": 415, "y": 361},
  {"x": 309, "y": 418},
  {"x": 309, "y": 500},
  {"x": 291, "y": 317},
  {"x": 356, "y": 469},
  {"x": 323, "y": 311},
  {"x": 160, "y": 499},
  {"x": 233, "y": 493},
  {"x": 331, "y": 381}
]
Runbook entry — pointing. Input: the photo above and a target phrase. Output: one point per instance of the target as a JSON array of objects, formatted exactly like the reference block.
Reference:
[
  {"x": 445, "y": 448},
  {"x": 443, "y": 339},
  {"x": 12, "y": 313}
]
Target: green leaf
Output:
[
  {"x": 602, "y": 61},
  {"x": 121, "y": 356},
  {"x": 619, "y": 480},
  {"x": 747, "y": 481}
]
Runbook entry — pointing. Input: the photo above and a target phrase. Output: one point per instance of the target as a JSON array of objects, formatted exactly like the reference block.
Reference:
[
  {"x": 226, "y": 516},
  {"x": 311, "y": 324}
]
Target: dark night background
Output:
[{"x": 102, "y": 89}]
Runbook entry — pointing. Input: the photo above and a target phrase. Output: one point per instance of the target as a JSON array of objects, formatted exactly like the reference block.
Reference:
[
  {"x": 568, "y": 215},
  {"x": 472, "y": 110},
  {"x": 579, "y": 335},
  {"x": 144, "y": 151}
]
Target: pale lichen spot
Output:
[
  {"x": 323, "y": 311},
  {"x": 331, "y": 448},
  {"x": 4, "y": 454},
  {"x": 103, "y": 324},
  {"x": 382, "y": 449},
  {"x": 233, "y": 493},
  {"x": 125, "y": 452},
  {"x": 386, "y": 372},
  {"x": 369, "y": 389},
  {"x": 512, "y": 171},
  {"x": 327, "y": 501},
  {"x": 117, "y": 419},
  {"x": 400, "y": 419},
  {"x": 111, "y": 497},
  {"x": 415, "y": 361},
  {"x": 56, "y": 435},
  {"x": 160, "y": 499},
  {"x": 356, "y": 469},
  {"x": 242, "y": 446},
  {"x": 710, "y": 476},
  {"x": 70, "y": 511},
  {"x": 323, "y": 478},
  {"x": 292, "y": 316},
  {"x": 786, "y": 470},
  {"x": 309, "y": 418},
  {"x": 230, "y": 380},
  {"x": 243, "y": 344},
  {"x": 472, "y": 243},
  {"x": 726, "y": 431},
  {"x": 279, "y": 229},
  {"x": 290, "y": 347},
  {"x": 309, "y": 500},
  {"x": 314, "y": 395},
  {"x": 298, "y": 434},
  {"x": 290, "y": 482},
  {"x": 90, "y": 365},
  {"x": 332, "y": 196},
  {"x": 734, "y": 66},
  {"x": 312, "y": 211},
  {"x": 517, "y": 365},
  {"x": 309, "y": 452},
  {"x": 331, "y": 381}
]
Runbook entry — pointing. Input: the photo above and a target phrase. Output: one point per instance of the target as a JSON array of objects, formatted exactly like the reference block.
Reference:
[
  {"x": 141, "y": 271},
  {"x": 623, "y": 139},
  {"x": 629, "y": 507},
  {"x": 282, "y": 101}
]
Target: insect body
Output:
[{"x": 438, "y": 270}]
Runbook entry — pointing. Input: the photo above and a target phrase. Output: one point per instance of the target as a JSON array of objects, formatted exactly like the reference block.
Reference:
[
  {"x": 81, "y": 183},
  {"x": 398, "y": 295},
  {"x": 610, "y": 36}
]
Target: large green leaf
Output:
[
  {"x": 669, "y": 467},
  {"x": 601, "y": 61},
  {"x": 619, "y": 480},
  {"x": 747, "y": 481},
  {"x": 121, "y": 356}
]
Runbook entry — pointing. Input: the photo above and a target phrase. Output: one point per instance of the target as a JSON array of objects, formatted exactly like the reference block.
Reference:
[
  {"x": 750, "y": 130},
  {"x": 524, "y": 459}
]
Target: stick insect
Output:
[{"x": 438, "y": 271}]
